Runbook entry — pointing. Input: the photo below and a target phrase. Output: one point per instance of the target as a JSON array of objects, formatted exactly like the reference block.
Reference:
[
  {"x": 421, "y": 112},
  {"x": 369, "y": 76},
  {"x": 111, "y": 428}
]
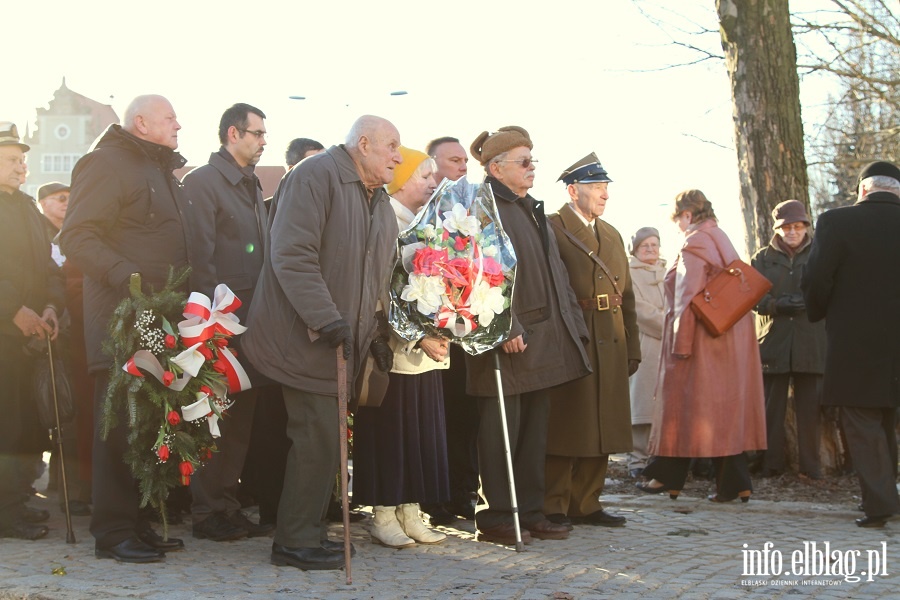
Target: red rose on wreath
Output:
[
  {"x": 163, "y": 453},
  {"x": 170, "y": 341},
  {"x": 492, "y": 272},
  {"x": 168, "y": 378},
  {"x": 173, "y": 418},
  {"x": 427, "y": 261}
]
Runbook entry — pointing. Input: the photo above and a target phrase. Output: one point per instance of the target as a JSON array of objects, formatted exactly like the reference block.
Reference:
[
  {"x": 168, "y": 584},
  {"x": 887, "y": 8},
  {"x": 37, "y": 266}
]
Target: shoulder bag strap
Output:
[{"x": 589, "y": 252}]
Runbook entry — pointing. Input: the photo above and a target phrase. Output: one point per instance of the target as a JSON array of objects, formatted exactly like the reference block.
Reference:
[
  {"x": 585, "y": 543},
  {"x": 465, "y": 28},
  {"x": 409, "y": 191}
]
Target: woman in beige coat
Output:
[
  {"x": 647, "y": 273},
  {"x": 711, "y": 394}
]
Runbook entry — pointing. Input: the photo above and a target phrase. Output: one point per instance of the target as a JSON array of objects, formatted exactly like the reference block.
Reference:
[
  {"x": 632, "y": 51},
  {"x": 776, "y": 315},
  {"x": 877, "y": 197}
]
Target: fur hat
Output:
[
  {"x": 402, "y": 172},
  {"x": 642, "y": 234},
  {"x": 789, "y": 211},
  {"x": 879, "y": 167},
  {"x": 488, "y": 145}
]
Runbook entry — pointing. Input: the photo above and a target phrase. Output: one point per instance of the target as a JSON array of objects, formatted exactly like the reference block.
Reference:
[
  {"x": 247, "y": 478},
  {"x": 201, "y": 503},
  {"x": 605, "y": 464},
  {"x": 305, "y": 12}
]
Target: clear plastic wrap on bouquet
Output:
[{"x": 455, "y": 271}]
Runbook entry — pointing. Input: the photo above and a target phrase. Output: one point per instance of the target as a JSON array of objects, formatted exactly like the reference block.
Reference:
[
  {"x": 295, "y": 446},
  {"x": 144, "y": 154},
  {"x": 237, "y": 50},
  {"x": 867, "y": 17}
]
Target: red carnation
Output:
[
  {"x": 170, "y": 341},
  {"x": 206, "y": 352},
  {"x": 163, "y": 453},
  {"x": 168, "y": 378},
  {"x": 173, "y": 418},
  {"x": 187, "y": 469}
]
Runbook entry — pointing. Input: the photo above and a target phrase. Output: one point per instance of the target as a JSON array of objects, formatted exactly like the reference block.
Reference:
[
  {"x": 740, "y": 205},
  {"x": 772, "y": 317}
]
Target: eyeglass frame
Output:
[
  {"x": 256, "y": 132},
  {"x": 523, "y": 162}
]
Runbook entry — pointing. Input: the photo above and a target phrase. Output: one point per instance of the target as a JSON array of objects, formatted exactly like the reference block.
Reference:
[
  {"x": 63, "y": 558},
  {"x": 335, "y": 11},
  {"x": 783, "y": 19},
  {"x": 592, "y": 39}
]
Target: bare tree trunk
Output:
[{"x": 762, "y": 65}]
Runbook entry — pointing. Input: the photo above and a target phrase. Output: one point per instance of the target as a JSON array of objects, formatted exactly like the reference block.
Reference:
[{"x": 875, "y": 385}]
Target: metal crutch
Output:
[
  {"x": 70, "y": 533},
  {"x": 342, "y": 420},
  {"x": 520, "y": 547}
]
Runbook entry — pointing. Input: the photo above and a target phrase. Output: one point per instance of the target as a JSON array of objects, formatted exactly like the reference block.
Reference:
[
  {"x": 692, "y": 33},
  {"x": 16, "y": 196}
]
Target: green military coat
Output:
[{"x": 591, "y": 416}]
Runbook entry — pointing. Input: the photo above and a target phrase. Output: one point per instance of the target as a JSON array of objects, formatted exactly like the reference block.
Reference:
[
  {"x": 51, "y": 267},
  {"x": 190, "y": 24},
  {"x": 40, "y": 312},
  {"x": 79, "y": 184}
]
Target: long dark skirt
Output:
[{"x": 400, "y": 447}]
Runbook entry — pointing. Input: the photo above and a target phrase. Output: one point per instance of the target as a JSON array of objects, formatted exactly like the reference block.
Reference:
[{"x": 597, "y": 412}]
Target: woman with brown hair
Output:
[{"x": 711, "y": 391}]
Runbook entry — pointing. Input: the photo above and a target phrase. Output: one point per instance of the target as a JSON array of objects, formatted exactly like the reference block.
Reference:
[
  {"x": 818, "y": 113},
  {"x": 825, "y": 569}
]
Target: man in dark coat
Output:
[
  {"x": 125, "y": 216},
  {"x": 227, "y": 234},
  {"x": 851, "y": 281},
  {"x": 792, "y": 349},
  {"x": 545, "y": 348},
  {"x": 31, "y": 295},
  {"x": 590, "y": 418},
  {"x": 327, "y": 261}
]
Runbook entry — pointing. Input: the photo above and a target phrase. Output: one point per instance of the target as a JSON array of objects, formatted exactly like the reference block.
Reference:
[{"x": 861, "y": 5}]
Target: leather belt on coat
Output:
[{"x": 601, "y": 302}]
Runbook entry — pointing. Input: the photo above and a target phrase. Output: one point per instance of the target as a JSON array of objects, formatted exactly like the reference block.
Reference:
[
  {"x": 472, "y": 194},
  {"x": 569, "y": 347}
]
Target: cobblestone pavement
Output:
[{"x": 689, "y": 548}]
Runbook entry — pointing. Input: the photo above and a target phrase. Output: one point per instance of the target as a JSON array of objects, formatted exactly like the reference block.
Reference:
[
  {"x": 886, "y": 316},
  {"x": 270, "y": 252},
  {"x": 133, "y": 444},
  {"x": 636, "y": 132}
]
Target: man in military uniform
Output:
[{"x": 591, "y": 417}]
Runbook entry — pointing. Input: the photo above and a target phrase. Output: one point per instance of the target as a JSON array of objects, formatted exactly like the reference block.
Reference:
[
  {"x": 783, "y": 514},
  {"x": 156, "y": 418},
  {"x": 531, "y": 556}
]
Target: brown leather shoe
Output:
[
  {"x": 545, "y": 530},
  {"x": 502, "y": 534}
]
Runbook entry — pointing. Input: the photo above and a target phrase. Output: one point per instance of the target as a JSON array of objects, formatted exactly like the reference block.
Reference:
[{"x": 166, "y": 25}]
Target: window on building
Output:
[{"x": 58, "y": 163}]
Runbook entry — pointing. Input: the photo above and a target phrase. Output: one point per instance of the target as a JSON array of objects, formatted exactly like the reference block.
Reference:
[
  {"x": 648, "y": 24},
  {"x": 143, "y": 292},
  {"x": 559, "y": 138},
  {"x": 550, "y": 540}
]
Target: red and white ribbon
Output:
[
  {"x": 210, "y": 407},
  {"x": 204, "y": 318},
  {"x": 146, "y": 361}
]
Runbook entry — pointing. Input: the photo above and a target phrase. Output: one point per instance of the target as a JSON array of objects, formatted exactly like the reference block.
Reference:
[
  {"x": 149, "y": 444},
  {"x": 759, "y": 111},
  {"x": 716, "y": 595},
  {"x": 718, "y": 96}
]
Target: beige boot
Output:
[
  {"x": 387, "y": 530},
  {"x": 411, "y": 521}
]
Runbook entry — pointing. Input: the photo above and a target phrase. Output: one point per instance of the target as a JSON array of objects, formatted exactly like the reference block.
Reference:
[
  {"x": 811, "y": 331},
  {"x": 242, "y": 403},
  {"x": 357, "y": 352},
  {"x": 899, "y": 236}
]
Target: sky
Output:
[{"x": 579, "y": 75}]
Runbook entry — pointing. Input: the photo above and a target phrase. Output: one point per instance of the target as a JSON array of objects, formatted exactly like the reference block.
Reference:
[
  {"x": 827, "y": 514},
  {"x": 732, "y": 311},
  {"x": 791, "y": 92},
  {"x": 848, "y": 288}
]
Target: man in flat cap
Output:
[
  {"x": 851, "y": 281},
  {"x": 590, "y": 418},
  {"x": 31, "y": 295},
  {"x": 545, "y": 348}
]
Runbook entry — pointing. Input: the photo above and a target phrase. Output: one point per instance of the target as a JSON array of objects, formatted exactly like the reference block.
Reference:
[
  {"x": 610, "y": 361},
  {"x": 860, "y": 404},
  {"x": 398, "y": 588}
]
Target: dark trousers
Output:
[
  {"x": 461, "y": 414},
  {"x": 264, "y": 466},
  {"x": 872, "y": 441},
  {"x": 114, "y": 489},
  {"x": 526, "y": 416},
  {"x": 312, "y": 462},
  {"x": 732, "y": 473},
  {"x": 807, "y": 390},
  {"x": 214, "y": 487}
]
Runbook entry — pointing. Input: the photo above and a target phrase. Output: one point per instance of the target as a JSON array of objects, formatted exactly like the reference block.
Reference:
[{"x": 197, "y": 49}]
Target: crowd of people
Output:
[{"x": 604, "y": 355}]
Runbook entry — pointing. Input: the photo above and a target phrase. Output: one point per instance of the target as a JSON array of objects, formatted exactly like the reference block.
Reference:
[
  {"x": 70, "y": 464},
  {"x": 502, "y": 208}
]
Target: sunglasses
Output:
[{"x": 523, "y": 162}]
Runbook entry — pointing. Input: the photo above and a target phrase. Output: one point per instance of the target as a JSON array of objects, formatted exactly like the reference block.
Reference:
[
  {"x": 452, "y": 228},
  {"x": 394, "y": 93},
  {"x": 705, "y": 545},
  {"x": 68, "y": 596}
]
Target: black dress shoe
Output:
[
  {"x": 333, "y": 546},
  {"x": 438, "y": 515},
  {"x": 308, "y": 559},
  {"x": 561, "y": 519},
  {"x": 131, "y": 550},
  {"x": 463, "y": 510},
  {"x": 868, "y": 521},
  {"x": 601, "y": 517},
  {"x": 155, "y": 541},
  {"x": 218, "y": 528},
  {"x": 239, "y": 519},
  {"x": 34, "y": 515},
  {"x": 21, "y": 530}
]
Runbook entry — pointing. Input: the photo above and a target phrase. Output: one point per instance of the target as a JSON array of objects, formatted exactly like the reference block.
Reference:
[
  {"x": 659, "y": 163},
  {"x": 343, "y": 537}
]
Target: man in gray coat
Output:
[
  {"x": 330, "y": 251},
  {"x": 227, "y": 223},
  {"x": 851, "y": 281}
]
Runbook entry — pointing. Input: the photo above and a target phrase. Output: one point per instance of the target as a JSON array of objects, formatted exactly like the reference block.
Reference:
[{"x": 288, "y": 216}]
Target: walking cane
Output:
[
  {"x": 342, "y": 419},
  {"x": 70, "y": 534},
  {"x": 509, "y": 466}
]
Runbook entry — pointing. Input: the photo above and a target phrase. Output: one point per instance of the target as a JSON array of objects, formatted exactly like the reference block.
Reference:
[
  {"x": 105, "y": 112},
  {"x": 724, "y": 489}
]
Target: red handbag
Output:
[{"x": 728, "y": 296}]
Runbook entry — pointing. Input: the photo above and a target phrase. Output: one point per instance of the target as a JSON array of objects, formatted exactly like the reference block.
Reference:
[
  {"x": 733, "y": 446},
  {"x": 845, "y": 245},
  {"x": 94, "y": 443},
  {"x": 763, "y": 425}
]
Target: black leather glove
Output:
[
  {"x": 337, "y": 333},
  {"x": 789, "y": 305},
  {"x": 633, "y": 365},
  {"x": 384, "y": 356}
]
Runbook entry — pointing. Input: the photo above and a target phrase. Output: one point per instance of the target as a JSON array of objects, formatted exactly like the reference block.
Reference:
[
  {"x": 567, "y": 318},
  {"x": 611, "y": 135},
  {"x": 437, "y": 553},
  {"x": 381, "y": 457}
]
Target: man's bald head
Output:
[
  {"x": 151, "y": 117},
  {"x": 374, "y": 145}
]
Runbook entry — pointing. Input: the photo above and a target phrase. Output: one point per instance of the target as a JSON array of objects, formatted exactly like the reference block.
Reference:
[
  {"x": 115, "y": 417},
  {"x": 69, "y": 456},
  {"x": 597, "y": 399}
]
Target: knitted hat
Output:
[
  {"x": 789, "y": 211},
  {"x": 48, "y": 189},
  {"x": 640, "y": 235},
  {"x": 880, "y": 167},
  {"x": 9, "y": 136},
  {"x": 488, "y": 145},
  {"x": 402, "y": 172}
]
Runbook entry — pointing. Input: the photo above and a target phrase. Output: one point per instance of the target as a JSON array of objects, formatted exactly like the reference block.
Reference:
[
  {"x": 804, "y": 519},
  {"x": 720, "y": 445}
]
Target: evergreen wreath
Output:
[{"x": 164, "y": 448}]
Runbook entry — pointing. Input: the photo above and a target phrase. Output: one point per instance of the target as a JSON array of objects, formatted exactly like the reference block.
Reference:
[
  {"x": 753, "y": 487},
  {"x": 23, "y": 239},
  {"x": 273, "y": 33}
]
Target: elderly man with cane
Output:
[
  {"x": 545, "y": 348},
  {"x": 326, "y": 265}
]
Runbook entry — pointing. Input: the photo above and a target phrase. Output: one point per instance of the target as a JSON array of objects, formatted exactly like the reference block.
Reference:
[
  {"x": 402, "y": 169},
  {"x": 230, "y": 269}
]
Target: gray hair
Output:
[
  {"x": 366, "y": 126},
  {"x": 878, "y": 183},
  {"x": 137, "y": 107},
  {"x": 497, "y": 159}
]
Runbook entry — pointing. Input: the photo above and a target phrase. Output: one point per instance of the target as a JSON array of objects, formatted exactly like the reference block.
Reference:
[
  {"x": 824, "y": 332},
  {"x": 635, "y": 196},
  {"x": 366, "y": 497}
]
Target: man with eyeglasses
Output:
[
  {"x": 228, "y": 232},
  {"x": 591, "y": 418},
  {"x": 545, "y": 348},
  {"x": 31, "y": 293},
  {"x": 126, "y": 216}
]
